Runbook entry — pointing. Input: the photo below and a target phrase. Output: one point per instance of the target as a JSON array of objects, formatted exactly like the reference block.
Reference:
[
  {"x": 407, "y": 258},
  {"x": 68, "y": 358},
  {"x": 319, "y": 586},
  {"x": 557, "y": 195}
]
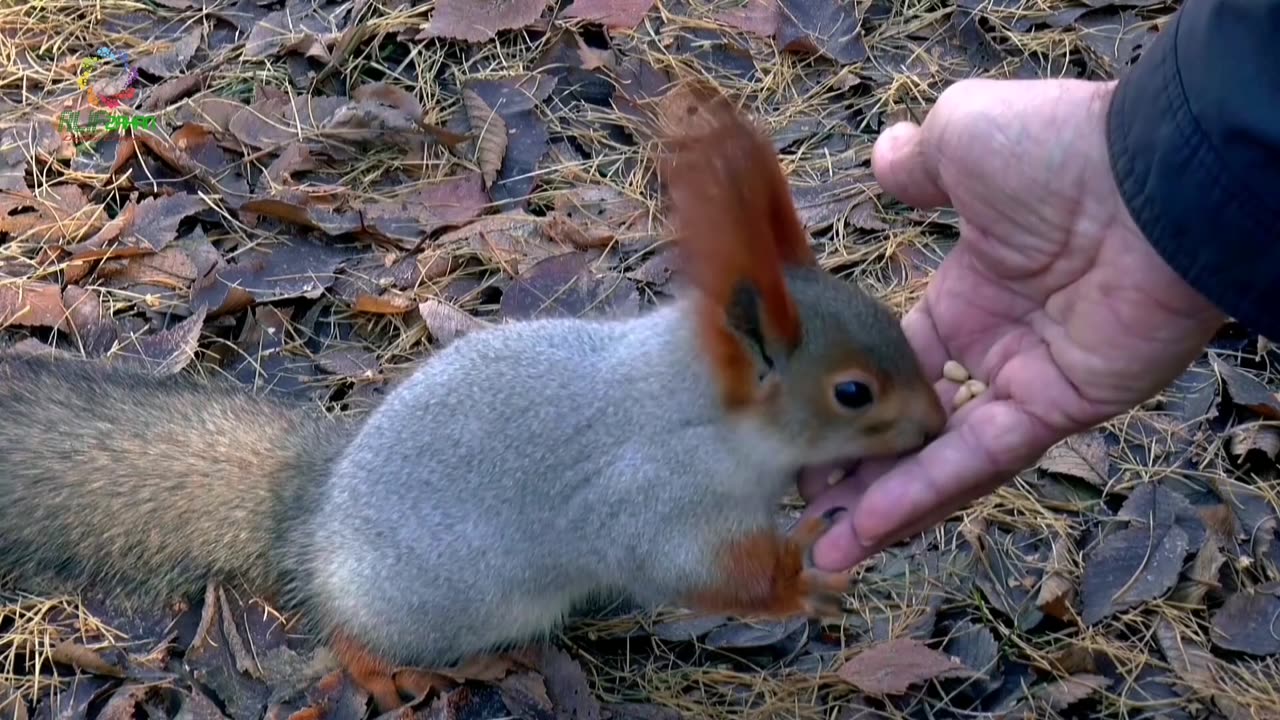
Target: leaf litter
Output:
[{"x": 331, "y": 190}]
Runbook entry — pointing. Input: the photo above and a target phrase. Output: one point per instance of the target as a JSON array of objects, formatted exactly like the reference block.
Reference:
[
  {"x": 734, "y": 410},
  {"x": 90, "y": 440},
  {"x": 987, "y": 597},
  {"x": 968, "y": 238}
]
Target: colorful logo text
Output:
[{"x": 86, "y": 72}]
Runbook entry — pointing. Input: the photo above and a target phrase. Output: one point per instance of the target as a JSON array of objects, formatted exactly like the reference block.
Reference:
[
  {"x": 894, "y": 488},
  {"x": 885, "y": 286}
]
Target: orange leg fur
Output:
[
  {"x": 374, "y": 675},
  {"x": 769, "y": 574}
]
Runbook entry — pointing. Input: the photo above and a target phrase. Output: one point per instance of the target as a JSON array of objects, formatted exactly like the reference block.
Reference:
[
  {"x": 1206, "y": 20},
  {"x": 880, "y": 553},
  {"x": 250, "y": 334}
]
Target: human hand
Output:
[{"x": 1052, "y": 297}]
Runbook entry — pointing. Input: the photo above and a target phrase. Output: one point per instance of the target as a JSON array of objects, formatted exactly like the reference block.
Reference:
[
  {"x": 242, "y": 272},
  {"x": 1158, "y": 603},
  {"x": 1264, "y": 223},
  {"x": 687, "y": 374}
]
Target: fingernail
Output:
[{"x": 833, "y": 514}]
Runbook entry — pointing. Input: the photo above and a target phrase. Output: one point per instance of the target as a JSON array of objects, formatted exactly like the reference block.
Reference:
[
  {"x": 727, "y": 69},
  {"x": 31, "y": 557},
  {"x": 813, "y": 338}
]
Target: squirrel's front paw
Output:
[
  {"x": 769, "y": 573},
  {"x": 821, "y": 591}
]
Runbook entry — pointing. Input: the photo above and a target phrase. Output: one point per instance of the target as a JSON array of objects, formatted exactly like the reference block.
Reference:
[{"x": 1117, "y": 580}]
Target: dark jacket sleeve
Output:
[{"x": 1194, "y": 136}]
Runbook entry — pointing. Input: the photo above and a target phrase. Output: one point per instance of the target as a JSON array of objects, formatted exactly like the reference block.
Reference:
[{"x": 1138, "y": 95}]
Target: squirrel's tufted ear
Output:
[{"x": 736, "y": 230}]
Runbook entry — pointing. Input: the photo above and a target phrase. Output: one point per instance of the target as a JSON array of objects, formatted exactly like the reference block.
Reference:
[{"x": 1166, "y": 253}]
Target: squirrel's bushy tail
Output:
[{"x": 147, "y": 487}]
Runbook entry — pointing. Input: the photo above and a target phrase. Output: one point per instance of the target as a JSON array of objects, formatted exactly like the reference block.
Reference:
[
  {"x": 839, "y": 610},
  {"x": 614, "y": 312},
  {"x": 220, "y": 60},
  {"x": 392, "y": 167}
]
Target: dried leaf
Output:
[
  {"x": 688, "y": 628},
  {"x": 1202, "y": 576},
  {"x": 1057, "y": 590},
  {"x": 60, "y": 216},
  {"x": 172, "y": 90},
  {"x": 491, "y": 145},
  {"x": 446, "y": 323},
  {"x": 753, "y": 635},
  {"x": 151, "y": 224},
  {"x": 70, "y": 652},
  {"x": 1118, "y": 38},
  {"x": 605, "y": 215},
  {"x": 32, "y": 304},
  {"x": 276, "y": 122},
  {"x": 309, "y": 211},
  {"x": 975, "y": 647},
  {"x": 348, "y": 362},
  {"x": 480, "y": 20},
  {"x": 819, "y": 206},
  {"x": 1083, "y": 456},
  {"x": 613, "y": 14},
  {"x": 525, "y": 695},
  {"x": 389, "y": 303},
  {"x": 1248, "y": 391},
  {"x": 1130, "y": 567},
  {"x": 1258, "y": 437},
  {"x": 1196, "y": 667},
  {"x": 267, "y": 273},
  {"x": 1191, "y": 396},
  {"x": 175, "y": 58},
  {"x": 567, "y": 685},
  {"x": 1063, "y": 693},
  {"x": 513, "y": 241},
  {"x": 294, "y": 158},
  {"x": 826, "y": 27},
  {"x": 1248, "y": 622},
  {"x": 889, "y": 668},
  {"x": 296, "y": 28},
  {"x": 165, "y": 352},
  {"x": 445, "y": 203},
  {"x": 758, "y": 17},
  {"x": 514, "y": 100},
  {"x": 1007, "y": 573},
  {"x": 566, "y": 286},
  {"x": 1154, "y": 504}
]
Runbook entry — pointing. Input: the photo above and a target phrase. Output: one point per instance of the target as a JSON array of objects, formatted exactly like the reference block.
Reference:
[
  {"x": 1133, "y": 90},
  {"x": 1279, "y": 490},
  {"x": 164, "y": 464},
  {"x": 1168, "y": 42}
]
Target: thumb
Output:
[{"x": 906, "y": 168}]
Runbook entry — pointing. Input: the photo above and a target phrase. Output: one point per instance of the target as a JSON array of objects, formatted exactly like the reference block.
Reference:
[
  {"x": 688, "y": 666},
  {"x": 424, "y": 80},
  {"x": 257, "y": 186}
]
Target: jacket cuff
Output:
[{"x": 1193, "y": 141}]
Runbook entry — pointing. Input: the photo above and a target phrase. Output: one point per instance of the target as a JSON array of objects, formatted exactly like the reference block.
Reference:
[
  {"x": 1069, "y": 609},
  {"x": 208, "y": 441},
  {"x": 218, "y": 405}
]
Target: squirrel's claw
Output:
[{"x": 824, "y": 590}]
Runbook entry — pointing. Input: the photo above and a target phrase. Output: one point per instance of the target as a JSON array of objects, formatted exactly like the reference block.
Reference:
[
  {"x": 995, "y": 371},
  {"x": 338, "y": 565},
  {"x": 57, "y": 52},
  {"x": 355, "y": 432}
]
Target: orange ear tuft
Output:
[{"x": 736, "y": 228}]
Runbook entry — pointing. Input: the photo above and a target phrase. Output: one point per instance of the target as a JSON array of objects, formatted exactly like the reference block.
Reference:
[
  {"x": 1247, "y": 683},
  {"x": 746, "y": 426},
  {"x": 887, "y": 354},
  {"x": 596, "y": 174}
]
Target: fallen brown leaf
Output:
[
  {"x": 176, "y": 56},
  {"x": 72, "y": 653},
  {"x": 480, "y": 20},
  {"x": 1065, "y": 692},
  {"x": 1130, "y": 567},
  {"x": 172, "y": 90},
  {"x": 512, "y": 241},
  {"x": 446, "y": 323},
  {"x": 613, "y": 14},
  {"x": 62, "y": 215},
  {"x": 1058, "y": 589},
  {"x": 1202, "y": 576},
  {"x": 826, "y": 27},
  {"x": 491, "y": 133},
  {"x": 310, "y": 211},
  {"x": 1257, "y": 437},
  {"x": 32, "y": 304},
  {"x": 1248, "y": 391},
  {"x": 565, "y": 285},
  {"x": 890, "y": 668},
  {"x": 1193, "y": 663},
  {"x": 1084, "y": 456},
  {"x": 388, "y": 303},
  {"x": 445, "y": 203},
  {"x": 758, "y": 17},
  {"x": 1247, "y": 622},
  {"x": 267, "y": 273},
  {"x": 294, "y": 158},
  {"x": 514, "y": 101},
  {"x": 165, "y": 352},
  {"x": 567, "y": 685}
]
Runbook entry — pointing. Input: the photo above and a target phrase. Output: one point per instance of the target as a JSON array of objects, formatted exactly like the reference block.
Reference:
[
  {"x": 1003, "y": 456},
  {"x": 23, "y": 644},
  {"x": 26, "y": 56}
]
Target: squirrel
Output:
[{"x": 520, "y": 470}]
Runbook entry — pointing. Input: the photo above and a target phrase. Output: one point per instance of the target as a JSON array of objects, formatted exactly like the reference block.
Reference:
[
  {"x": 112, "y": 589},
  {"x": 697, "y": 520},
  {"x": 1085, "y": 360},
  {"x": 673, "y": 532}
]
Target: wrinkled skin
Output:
[{"x": 1052, "y": 297}]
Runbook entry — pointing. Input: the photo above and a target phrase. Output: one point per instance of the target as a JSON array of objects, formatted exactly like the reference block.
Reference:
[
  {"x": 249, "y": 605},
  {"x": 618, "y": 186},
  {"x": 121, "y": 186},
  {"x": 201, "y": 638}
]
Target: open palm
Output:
[{"x": 1052, "y": 297}]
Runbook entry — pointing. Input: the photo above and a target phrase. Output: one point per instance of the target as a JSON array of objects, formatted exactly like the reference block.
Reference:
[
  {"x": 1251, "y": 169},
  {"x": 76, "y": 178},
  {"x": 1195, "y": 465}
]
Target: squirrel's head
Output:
[{"x": 821, "y": 363}]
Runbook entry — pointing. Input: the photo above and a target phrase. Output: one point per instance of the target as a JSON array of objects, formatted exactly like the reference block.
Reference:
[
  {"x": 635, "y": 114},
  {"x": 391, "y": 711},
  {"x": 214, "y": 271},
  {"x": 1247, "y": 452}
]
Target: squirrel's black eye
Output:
[{"x": 853, "y": 394}]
